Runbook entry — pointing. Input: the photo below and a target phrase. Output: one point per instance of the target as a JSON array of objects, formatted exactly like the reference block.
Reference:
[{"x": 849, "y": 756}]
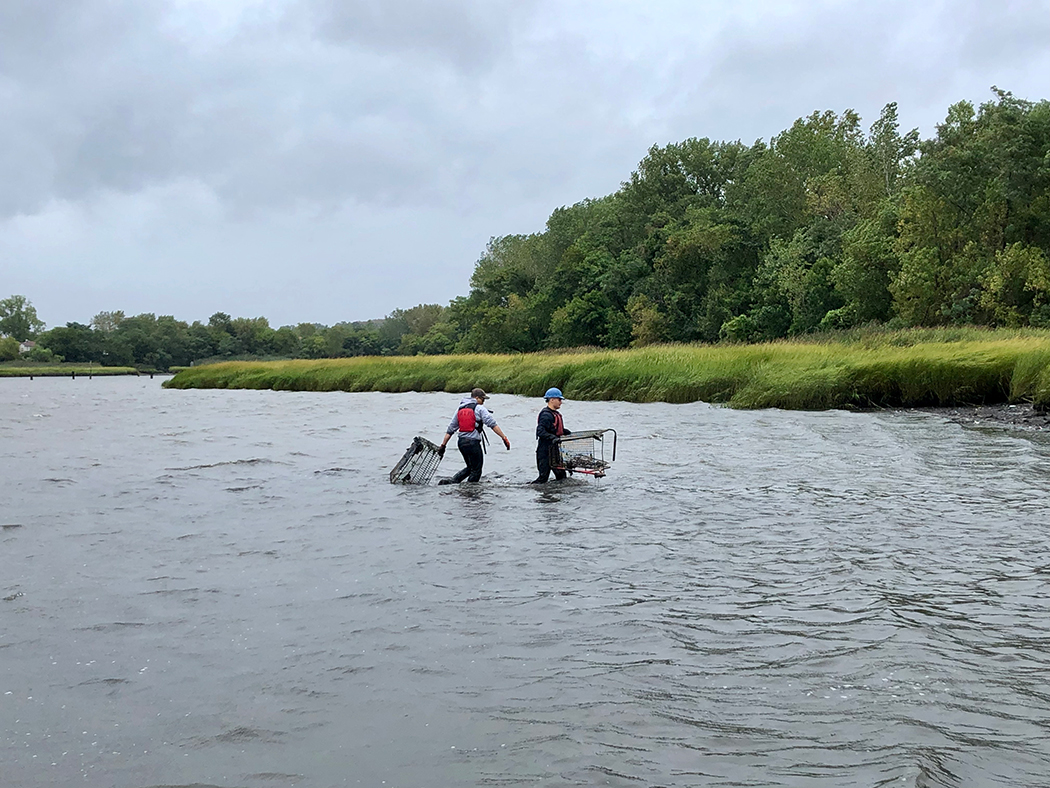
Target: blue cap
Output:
[{"x": 553, "y": 393}]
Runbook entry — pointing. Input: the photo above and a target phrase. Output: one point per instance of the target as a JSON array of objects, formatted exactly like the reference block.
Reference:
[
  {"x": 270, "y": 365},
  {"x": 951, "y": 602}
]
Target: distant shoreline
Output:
[{"x": 64, "y": 371}]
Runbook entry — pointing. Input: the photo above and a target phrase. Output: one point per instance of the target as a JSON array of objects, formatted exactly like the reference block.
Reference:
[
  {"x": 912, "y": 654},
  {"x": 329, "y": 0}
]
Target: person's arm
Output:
[
  {"x": 498, "y": 431},
  {"x": 452, "y": 428}
]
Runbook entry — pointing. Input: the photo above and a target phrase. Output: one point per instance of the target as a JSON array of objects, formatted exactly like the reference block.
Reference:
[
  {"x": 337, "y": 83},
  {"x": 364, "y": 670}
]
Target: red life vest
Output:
[
  {"x": 468, "y": 418},
  {"x": 559, "y": 425}
]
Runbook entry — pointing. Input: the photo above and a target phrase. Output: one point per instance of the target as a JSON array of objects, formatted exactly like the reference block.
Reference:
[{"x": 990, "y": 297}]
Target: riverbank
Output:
[
  {"x": 914, "y": 368},
  {"x": 63, "y": 371}
]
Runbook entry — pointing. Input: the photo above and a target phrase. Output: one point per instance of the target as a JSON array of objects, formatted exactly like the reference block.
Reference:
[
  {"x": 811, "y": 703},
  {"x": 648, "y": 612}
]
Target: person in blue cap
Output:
[{"x": 549, "y": 427}]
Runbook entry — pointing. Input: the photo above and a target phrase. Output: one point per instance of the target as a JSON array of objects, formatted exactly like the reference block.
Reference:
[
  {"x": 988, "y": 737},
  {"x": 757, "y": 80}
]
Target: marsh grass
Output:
[
  {"x": 861, "y": 369},
  {"x": 61, "y": 370}
]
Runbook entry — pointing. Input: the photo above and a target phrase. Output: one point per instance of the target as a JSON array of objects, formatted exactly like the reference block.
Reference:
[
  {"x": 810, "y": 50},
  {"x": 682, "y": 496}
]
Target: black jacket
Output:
[{"x": 545, "y": 425}]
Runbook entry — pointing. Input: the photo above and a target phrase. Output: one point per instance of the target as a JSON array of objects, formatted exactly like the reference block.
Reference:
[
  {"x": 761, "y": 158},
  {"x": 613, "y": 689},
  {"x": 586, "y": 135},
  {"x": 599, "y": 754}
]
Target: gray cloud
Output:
[
  {"x": 469, "y": 35},
  {"x": 148, "y": 145}
]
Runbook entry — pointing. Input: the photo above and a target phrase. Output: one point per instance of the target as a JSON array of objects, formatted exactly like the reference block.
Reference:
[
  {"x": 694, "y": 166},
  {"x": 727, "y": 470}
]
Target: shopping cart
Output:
[
  {"x": 418, "y": 465},
  {"x": 583, "y": 452}
]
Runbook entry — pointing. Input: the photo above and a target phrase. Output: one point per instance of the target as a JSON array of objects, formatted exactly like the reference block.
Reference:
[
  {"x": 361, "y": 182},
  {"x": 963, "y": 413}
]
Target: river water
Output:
[{"x": 222, "y": 588}]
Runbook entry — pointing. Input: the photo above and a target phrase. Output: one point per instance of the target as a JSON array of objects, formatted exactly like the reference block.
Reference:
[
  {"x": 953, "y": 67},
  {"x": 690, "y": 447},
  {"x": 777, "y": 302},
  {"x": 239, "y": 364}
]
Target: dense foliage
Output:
[{"x": 823, "y": 227}]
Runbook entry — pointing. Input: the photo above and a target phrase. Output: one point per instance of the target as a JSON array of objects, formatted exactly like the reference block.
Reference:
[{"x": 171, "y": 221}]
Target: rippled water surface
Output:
[{"x": 222, "y": 588}]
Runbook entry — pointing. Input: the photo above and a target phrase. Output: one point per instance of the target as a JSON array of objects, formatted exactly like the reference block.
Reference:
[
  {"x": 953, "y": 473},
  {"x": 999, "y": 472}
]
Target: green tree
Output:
[
  {"x": 981, "y": 186},
  {"x": 440, "y": 339},
  {"x": 136, "y": 339},
  {"x": 199, "y": 341},
  {"x": 890, "y": 149},
  {"x": 415, "y": 323},
  {"x": 107, "y": 322},
  {"x": 363, "y": 341},
  {"x": 286, "y": 342},
  {"x": 74, "y": 342},
  {"x": 648, "y": 324},
  {"x": 314, "y": 346},
  {"x": 220, "y": 321},
  {"x": 9, "y": 349},
  {"x": 1017, "y": 287},
  {"x": 253, "y": 334},
  {"x": 869, "y": 262},
  {"x": 222, "y": 339},
  {"x": 43, "y": 354},
  {"x": 496, "y": 329},
  {"x": 18, "y": 318},
  {"x": 173, "y": 340},
  {"x": 582, "y": 321}
]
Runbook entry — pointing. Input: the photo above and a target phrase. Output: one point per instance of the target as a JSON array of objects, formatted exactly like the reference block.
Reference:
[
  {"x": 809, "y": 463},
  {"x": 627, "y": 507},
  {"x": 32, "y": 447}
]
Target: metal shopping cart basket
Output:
[
  {"x": 583, "y": 452},
  {"x": 419, "y": 464}
]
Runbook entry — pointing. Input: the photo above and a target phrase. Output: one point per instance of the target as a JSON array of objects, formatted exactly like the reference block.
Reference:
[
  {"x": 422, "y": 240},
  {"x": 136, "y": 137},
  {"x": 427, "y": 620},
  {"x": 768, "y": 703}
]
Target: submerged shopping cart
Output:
[
  {"x": 583, "y": 452},
  {"x": 418, "y": 465}
]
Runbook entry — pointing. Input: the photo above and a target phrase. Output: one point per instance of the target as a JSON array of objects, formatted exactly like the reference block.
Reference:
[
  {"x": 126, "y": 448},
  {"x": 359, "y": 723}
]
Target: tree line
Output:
[
  {"x": 146, "y": 340},
  {"x": 826, "y": 226}
]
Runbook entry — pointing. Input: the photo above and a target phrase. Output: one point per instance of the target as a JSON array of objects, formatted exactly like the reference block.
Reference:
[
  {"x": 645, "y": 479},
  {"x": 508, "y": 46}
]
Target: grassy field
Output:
[
  {"x": 849, "y": 370},
  {"x": 16, "y": 369}
]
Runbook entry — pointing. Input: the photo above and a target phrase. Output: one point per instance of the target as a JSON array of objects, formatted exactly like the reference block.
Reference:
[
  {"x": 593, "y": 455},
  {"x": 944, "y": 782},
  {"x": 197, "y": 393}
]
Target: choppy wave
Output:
[{"x": 750, "y": 598}]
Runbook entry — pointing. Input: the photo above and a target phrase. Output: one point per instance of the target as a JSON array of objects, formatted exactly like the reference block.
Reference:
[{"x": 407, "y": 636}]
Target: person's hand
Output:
[
  {"x": 441, "y": 451},
  {"x": 506, "y": 442}
]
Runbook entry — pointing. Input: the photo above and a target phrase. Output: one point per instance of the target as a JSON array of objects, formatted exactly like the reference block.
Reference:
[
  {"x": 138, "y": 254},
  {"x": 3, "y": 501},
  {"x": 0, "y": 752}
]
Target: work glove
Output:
[{"x": 441, "y": 451}]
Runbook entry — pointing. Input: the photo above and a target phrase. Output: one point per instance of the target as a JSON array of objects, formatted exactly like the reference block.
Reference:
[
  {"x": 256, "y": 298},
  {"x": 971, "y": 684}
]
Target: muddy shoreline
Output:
[{"x": 1021, "y": 416}]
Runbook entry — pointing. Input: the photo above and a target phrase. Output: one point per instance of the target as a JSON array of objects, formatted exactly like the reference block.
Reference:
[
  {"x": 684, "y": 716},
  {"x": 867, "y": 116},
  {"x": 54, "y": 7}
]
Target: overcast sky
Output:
[{"x": 328, "y": 160}]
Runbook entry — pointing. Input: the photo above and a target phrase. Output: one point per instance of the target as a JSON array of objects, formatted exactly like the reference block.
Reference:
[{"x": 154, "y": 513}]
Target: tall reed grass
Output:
[{"x": 853, "y": 370}]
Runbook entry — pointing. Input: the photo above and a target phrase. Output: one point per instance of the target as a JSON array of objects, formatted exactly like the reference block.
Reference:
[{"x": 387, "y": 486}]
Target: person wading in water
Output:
[
  {"x": 549, "y": 427},
  {"x": 470, "y": 420}
]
